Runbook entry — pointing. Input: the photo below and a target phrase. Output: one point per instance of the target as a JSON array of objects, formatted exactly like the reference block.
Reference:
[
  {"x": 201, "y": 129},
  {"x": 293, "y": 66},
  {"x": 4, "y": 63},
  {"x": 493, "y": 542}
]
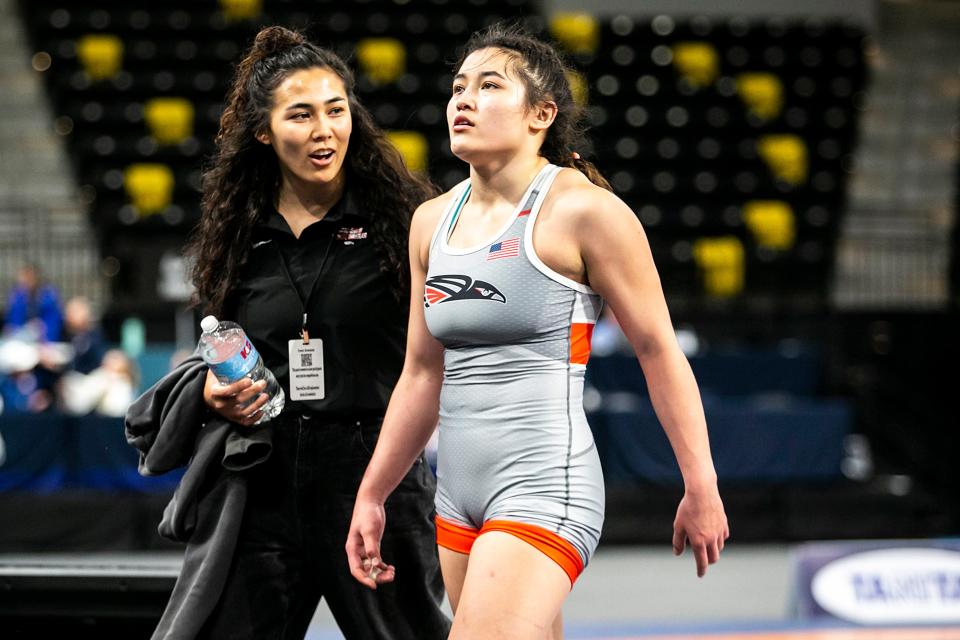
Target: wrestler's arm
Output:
[
  {"x": 619, "y": 266},
  {"x": 411, "y": 414}
]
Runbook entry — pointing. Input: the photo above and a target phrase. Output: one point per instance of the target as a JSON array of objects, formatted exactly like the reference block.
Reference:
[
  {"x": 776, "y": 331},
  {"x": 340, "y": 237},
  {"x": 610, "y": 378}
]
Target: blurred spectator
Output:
[
  {"x": 24, "y": 387},
  {"x": 33, "y": 309},
  {"x": 177, "y": 357},
  {"x": 84, "y": 335},
  {"x": 107, "y": 390},
  {"x": 608, "y": 338},
  {"x": 23, "y": 393}
]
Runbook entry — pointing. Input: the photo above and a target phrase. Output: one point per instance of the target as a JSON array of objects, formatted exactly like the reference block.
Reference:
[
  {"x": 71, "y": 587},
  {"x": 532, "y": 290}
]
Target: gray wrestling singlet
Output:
[{"x": 514, "y": 442}]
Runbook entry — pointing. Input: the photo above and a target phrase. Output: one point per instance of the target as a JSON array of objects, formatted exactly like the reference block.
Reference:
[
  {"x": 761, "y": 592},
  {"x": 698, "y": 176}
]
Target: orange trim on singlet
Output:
[
  {"x": 455, "y": 537},
  {"x": 555, "y": 547},
  {"x": 460, "y": 539},
  {"x": 581, "y": 334}
]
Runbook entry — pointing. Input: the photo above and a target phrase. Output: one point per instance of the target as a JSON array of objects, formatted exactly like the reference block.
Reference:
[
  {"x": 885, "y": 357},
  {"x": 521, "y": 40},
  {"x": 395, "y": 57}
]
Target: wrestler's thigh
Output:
[
  {"x": 511, "y": 590},
  {"x": 453, "y": 565}
]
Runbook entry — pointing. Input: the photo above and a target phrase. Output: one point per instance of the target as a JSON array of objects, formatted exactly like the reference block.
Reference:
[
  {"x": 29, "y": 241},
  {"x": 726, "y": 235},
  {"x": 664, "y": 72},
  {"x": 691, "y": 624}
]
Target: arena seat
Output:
[
  {"x": 412, "y": 146},
  {"x": 786, "y": 155},
  {"x": 170, "y": 119},
  {"x": 577, "y": 32},
  {"x": 150, "y": 187},
  {"x": 771, "y": 222},
  {"x": 722, "y": 263},
  {"x": 762, "y": 92},
  {"x": 241, "y": 9},
  {"x": 382, "y": 60},
  {"x": 578, "y": 87},
  {"x": 101, "y": 55},
  {"x": 697, "y": 62}
]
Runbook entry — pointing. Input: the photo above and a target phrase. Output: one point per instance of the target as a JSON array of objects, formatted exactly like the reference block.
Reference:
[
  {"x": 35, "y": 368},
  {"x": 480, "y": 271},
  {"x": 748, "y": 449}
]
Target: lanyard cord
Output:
[{"x": 304, "y": 333}]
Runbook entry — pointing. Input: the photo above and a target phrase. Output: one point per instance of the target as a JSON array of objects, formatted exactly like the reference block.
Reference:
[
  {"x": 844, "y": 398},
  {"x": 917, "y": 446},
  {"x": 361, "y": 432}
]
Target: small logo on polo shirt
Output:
[{"x": 349, "y": 235}]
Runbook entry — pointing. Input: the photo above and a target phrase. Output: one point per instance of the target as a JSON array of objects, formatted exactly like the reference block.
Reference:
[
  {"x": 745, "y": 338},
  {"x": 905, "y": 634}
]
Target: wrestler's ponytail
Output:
[
  {"x": 588, "y": 169},
  {"x": 545, "y": 77}
]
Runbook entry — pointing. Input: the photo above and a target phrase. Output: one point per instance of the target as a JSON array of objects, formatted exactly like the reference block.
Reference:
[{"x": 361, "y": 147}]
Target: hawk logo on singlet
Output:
[{"x": 456, "y": 287}]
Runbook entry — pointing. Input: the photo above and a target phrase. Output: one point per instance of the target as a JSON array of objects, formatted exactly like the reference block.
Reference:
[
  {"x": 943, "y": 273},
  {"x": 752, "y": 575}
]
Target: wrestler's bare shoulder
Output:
[{"x": 573, "y": 200}]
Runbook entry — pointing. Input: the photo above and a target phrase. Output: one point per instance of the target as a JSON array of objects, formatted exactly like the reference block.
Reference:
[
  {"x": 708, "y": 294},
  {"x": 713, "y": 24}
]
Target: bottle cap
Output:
[{"x": 209, "y": 324}]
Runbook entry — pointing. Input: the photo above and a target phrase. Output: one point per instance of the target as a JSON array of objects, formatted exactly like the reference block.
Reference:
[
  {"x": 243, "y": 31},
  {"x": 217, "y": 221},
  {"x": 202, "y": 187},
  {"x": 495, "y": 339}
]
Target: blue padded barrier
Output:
[
  {"x": 793, "y": 441},
  {"x": 49, "y": 452},
  {"x": 37, "y": 453},
  {"x": 104, "y": 460},
  {"x": 737, "y": 373},
  {"x": 154, "y": 363}
]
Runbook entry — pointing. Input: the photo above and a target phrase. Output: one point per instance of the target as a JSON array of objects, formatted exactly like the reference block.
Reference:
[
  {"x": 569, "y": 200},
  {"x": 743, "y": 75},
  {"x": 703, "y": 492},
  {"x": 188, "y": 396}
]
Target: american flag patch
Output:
[{"x": 504, "y": 249}]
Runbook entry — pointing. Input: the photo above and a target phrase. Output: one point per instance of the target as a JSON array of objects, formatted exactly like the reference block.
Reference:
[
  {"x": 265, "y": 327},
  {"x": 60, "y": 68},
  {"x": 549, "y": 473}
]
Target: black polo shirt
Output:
[{"x": 350, "y": 307}]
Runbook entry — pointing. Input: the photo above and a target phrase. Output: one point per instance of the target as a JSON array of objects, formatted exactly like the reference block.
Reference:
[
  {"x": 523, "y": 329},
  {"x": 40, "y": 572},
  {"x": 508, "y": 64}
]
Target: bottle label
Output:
[{"x": 239, "y": 365}]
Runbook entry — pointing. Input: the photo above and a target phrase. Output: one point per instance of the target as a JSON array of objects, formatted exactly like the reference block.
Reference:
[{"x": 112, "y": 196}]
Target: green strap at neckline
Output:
[
  {"x": 456, "y": 211},
  {"x": 532, "y": 191}
]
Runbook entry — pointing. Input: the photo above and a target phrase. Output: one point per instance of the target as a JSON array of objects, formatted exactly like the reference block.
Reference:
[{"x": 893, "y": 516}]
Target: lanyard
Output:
[{"x": 304, "y": 333}]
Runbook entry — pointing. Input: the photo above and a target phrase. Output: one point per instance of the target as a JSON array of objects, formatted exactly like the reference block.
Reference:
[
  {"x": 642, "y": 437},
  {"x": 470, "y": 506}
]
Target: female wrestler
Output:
[{"x": 512, "y": 265}]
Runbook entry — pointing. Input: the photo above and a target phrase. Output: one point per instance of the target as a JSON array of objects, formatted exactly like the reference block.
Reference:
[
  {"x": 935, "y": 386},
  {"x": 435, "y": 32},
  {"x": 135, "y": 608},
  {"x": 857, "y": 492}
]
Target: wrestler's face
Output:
[
  {"x": 488, "y": 112},
  {"x": 310, "y": 127}
]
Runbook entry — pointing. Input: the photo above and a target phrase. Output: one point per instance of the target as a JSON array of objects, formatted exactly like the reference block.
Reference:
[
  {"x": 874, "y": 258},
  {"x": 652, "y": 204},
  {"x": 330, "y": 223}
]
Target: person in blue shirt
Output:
[{"x": 33, "y": 307}]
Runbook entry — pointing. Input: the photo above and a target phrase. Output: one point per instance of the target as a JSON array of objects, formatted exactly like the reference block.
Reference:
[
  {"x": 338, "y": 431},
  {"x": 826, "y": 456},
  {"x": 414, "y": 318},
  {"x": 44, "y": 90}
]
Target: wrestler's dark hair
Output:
[
  {"x": 543, "y": 72},
  {"x": 241, "y": 185}
]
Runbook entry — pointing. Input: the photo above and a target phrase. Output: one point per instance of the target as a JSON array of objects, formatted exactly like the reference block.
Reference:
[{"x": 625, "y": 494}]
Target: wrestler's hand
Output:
[
  {"x": 229, "y": 399},
  {"x": 363, "y": 545},
  {"x": 702, "y": 525}
]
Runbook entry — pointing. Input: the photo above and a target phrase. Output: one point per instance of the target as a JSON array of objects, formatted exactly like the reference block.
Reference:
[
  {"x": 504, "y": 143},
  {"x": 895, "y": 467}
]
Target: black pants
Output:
[{"x": 291, "y": 548}]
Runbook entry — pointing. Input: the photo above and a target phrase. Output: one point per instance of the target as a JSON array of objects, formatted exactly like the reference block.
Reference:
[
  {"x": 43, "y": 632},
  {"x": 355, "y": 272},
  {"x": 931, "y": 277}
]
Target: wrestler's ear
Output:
[{"x": 543, "y": 115}]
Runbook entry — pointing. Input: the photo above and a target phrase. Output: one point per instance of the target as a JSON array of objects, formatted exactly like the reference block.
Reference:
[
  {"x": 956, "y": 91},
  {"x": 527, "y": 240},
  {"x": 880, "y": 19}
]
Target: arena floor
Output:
[
  {"x": 627, "y": 593},
  {"x": 646, "y": 592}
]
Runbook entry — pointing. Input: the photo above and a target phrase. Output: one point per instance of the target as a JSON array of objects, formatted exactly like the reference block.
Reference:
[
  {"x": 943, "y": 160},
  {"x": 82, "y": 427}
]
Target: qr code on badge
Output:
[{"x": 306, "y": 359}]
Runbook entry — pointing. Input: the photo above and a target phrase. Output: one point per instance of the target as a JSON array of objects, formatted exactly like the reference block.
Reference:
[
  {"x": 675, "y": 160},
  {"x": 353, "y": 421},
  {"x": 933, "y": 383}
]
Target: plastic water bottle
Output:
[{"x": 226, "y": 349}]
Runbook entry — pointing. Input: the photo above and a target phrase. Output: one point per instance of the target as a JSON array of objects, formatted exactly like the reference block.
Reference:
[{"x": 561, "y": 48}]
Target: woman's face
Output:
[
  {"x": 487, "y": 111},
  {"x": 310, "y": 126}
]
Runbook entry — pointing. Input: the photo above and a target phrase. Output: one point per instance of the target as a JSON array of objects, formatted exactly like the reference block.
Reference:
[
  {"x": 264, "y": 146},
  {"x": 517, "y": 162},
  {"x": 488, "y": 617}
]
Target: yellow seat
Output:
[
  {"x": 577, "y": 32},
  {"x": 721, "y": 262},
  {"x": 786, "y": 155},
  {"x": 101, "y": 55},
  {"x": 170, "y": 119},
  {"x": 150, "y": 187},
  {"x": 382, "y": 60},
  {"x": 578, "y": 87},
  {"x": 412, "y": 146},
  {"x": 241, "y": 9},
  {"x": 772, "y": 223},
  {"x": 697, "y": 62},
  {"x": 762, "y": 93}
]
